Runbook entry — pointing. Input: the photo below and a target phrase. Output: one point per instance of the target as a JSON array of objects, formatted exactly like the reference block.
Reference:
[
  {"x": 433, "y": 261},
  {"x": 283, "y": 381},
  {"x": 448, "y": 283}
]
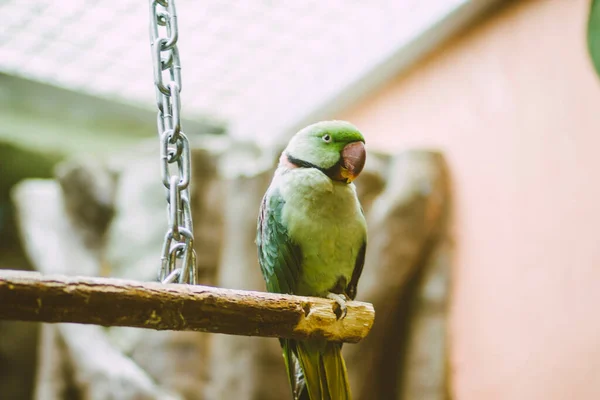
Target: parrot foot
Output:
[{"x": 341, "y": 310}]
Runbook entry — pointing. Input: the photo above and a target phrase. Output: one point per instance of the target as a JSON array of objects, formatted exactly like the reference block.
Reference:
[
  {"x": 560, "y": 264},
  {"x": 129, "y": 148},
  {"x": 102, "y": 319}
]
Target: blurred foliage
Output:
[{"x": 593, "y": 34}]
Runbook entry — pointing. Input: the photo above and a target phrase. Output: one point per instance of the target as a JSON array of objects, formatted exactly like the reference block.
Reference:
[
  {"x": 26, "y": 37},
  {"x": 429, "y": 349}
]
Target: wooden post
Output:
[{"x": 30, "y": 296}]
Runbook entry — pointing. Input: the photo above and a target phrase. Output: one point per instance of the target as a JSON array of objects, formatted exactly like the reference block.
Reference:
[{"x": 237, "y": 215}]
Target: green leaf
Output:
[{"x": 593, "y": 34}]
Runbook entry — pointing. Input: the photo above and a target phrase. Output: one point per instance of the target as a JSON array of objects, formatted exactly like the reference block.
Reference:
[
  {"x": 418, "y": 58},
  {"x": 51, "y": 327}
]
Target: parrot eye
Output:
[{"x": 326, "y": 138}]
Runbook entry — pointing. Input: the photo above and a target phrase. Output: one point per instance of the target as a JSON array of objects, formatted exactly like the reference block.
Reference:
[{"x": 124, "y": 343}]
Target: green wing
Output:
[
  {"x": 351, "y": 289},
  {"x": 280, "y": 259}
]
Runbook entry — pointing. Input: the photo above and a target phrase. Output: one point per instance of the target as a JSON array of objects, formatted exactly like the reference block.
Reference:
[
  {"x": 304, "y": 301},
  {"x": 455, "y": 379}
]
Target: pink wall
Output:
[{"x": 515, "y": 106}]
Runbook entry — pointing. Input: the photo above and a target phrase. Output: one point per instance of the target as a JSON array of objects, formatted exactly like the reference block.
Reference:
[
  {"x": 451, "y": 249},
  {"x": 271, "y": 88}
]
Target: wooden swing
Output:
[{"x": 164, "y": 305}]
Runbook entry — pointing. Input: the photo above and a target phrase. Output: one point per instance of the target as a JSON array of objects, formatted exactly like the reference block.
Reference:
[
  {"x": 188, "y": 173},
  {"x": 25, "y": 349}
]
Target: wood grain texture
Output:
[{"x": 30, "y": 296}]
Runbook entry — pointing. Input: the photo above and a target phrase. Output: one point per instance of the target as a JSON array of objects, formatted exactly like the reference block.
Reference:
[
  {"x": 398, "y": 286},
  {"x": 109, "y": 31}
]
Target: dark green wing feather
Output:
[
  {"x": 280, "y": 262},
  {"x": 351, "y": 289},
  {"x": 358, "y": 267},
  {"x": 280, "y": 259}
]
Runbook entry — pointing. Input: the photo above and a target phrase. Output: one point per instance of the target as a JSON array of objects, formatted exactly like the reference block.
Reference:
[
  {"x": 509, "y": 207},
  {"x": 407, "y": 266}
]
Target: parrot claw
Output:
[{"x": 341, "y": 310}]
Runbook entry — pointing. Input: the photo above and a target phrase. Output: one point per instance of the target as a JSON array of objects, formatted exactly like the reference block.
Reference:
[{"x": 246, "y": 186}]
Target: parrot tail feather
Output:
[
  {"x": 294, "y": 370},
  {"x": 323, "y": 371}
]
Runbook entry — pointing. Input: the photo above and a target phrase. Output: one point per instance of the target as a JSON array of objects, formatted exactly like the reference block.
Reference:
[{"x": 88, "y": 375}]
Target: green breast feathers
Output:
[{"x": 320, "y": 224}]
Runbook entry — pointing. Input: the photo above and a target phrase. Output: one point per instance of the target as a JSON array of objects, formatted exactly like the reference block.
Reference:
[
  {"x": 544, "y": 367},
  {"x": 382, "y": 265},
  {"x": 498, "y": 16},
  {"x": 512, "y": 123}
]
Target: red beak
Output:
[{"x": 354, "y": 156}]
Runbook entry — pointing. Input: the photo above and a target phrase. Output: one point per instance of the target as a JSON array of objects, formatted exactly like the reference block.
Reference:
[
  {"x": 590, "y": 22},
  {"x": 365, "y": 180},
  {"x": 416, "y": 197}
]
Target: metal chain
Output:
[{"x": 178, "y": 262}]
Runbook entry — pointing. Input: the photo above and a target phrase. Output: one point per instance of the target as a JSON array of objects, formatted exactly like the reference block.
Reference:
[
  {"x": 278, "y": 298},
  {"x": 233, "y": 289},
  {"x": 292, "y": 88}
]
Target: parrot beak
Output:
[{"x": 353, "y": 160}]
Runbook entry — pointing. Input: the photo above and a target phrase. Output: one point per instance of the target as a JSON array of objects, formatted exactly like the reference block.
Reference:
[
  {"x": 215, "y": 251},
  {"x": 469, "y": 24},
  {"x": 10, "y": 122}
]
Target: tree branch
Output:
[{"x": 30, "y": 296}]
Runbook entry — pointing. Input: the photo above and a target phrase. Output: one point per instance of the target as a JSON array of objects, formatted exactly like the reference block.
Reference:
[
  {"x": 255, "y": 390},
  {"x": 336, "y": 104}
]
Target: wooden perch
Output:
[{"x": 30, "y": 296}]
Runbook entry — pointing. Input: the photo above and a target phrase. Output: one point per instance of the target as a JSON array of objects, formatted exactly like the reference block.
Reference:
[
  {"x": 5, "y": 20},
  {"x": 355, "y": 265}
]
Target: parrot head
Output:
[{"x": 336, "y": 148}]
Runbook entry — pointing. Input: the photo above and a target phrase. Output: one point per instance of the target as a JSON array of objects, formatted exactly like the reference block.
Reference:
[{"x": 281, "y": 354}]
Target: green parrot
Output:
[{"x": 312, "y": 238}]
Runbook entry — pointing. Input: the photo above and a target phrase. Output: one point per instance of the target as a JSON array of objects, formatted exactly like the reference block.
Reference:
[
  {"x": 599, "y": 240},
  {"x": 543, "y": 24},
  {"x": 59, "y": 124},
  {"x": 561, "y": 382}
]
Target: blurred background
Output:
[{"x": 500, "y": 96}]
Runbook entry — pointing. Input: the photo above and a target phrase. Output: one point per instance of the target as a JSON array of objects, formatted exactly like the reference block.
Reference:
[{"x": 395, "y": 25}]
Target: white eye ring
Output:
[{"x": 326, "y": 138}]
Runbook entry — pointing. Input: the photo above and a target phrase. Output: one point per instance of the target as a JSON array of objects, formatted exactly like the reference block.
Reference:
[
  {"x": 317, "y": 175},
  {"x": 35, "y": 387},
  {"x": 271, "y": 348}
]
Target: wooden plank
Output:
[{"x": 30, "y": 296}]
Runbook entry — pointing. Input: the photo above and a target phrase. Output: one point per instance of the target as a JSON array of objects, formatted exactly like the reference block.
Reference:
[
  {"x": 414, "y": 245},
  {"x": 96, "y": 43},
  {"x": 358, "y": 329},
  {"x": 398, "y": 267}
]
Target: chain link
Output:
[{"x": 178, "y": 261}]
